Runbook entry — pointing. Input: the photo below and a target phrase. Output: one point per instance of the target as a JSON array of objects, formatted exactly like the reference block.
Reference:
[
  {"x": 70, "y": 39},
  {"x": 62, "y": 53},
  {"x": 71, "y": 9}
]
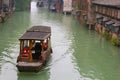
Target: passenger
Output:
[
  {"x": 45, "y": 46},
  {"x": 38, "y": 49}
]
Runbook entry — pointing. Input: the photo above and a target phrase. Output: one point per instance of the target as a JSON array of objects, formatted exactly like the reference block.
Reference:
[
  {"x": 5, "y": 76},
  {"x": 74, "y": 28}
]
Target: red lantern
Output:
[{"x": 26, "y": 51}]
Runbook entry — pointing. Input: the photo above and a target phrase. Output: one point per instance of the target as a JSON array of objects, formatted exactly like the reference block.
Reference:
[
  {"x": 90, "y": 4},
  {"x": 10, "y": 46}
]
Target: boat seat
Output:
[{"x": 25, "y": 57}]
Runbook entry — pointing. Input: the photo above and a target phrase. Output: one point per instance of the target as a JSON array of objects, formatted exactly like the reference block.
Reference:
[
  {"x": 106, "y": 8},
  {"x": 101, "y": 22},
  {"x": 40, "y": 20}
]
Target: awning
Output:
[
  {"x": 116, "y": 25},
  {"x": 109, "y": 22},
  {"x": 108, "y": 25},
  {"x": 105, "y": 19}
]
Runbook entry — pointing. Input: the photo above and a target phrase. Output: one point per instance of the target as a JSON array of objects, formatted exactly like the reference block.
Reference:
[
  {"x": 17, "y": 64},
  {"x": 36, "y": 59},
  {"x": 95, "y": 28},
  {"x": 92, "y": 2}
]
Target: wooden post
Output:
[
  {"x": 31, "y": 45},
  {"x": 20, "y": 46},
  {"x": 49, "y": 42}
]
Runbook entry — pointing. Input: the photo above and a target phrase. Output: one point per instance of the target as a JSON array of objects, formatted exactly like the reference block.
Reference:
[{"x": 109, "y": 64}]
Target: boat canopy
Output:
[
  {"x": 37, "y": 33},
  {"x": 40, "y": 29}
]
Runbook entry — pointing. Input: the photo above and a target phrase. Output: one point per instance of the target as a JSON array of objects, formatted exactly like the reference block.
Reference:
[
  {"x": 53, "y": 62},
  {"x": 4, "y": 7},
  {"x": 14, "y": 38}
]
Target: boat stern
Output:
[{"x": 29, "y": 66}]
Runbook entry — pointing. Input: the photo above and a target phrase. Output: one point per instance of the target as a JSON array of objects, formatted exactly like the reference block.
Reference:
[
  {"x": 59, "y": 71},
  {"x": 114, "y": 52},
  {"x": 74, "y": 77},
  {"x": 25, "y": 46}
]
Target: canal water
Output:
[{"x": 78, "y": 53}]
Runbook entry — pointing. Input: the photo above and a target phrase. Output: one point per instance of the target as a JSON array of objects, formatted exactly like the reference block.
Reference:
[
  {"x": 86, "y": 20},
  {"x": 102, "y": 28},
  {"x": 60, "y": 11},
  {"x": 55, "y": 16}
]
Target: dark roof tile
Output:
[{"x": 114, "y": 3}]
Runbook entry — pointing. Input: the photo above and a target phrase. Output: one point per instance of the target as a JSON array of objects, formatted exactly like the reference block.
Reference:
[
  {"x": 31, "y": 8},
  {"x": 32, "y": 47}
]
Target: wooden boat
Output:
[{"x": 35, "y": 49}]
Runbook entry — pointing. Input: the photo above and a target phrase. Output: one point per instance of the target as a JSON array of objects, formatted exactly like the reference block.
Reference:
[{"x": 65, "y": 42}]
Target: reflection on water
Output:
[{"x": 78, "y": 53}]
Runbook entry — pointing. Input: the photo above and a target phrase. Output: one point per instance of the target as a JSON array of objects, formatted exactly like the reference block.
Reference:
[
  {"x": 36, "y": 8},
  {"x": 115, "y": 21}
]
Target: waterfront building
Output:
[
  {"x": 59, "y": 6},
  {"x": 8, "y": 6},
  {"x": 108, "y": 18},
  {"x": 67, "y": 6},
  {"x": 1, "y": 11},
  {"x": 0, "y": 6},
  {"x": 84, "y": 12},
  {"x": 6, "y": 9}
]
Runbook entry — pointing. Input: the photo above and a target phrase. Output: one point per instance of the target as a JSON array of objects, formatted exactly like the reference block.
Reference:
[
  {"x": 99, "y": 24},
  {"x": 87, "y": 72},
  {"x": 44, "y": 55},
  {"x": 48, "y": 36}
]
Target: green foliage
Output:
[
  {"x": 107, "y": 35},
  {"x": 114, "y": 41}
]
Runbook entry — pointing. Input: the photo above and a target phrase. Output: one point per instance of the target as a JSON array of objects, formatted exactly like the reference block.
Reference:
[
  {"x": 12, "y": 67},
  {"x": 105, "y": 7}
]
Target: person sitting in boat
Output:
[
  {"x": 45, "y": 45},
  {"x": 38, "y": 49}
]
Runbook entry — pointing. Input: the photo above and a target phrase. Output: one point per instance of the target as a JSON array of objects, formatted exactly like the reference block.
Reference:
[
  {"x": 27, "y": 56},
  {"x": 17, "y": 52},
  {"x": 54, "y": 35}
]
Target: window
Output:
[
  {"x": 96, "y": 8},
  {"x": 100, "y": 9},
  {"x": 113, "y": 13},
  {"x": 104, "y": 10},
  {"x": 118, "y": 14},
  {"x": 110, "y": 12},
  {"x": 26, "y": 43}
]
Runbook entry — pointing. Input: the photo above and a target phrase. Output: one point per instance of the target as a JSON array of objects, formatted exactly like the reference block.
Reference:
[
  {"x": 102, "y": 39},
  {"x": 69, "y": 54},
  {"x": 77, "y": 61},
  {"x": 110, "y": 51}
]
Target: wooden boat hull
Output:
[
  {"x": 35, "y": 66},
  {"x": 29, "y": 66}
]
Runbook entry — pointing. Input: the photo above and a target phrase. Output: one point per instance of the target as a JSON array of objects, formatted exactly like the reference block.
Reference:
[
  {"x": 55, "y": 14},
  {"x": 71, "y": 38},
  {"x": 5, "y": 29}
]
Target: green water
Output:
[{"x": 78, "y": 53}]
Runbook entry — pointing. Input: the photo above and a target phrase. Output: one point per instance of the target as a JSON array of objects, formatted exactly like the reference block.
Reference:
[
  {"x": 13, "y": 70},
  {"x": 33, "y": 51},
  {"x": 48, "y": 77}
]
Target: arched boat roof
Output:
[{"x": 37, "y": 33}]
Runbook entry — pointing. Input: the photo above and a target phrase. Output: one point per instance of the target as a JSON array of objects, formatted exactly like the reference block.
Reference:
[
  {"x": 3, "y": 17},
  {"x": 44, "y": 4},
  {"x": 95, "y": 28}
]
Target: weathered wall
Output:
[{"x": 90, "y": 13}]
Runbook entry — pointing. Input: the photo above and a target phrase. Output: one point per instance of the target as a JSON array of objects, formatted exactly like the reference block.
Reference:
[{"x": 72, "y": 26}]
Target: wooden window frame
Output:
[
  {"x": 96, "y": 8},
  {"x": 101, "y": 10},
  {"x": 119, "y": 14},
  {"x": 116, "y": 14},
  {"x": 104, "y": 9},
  {"x": 110, "y": 12}
]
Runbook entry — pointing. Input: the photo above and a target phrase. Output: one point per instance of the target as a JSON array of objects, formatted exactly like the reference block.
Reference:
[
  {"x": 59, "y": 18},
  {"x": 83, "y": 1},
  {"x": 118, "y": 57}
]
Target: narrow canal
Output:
[{"x": 78, "y": 53}]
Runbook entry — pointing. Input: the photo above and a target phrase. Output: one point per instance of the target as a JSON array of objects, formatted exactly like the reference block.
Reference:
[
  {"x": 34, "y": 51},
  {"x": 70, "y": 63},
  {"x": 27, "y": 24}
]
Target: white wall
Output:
[{"x": 67, "y": 6}]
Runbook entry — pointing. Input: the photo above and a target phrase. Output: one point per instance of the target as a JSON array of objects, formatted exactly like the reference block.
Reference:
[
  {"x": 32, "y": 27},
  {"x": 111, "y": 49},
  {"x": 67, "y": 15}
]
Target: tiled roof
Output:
[{"x": 114, "y": 3}]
